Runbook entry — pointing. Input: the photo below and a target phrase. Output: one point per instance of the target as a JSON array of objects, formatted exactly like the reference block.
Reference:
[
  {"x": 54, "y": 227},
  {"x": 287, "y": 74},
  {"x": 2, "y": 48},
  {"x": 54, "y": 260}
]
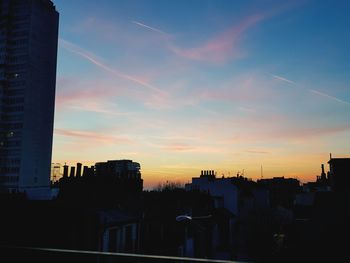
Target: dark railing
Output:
[{"x": 52, "y": 255}]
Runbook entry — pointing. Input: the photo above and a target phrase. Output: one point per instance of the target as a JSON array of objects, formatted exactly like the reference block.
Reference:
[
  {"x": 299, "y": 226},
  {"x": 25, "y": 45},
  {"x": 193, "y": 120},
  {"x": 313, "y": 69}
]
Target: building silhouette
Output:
[
  {"x": 339, "y": 174},
  {"x": 28, "y": 54},
  {"x": 237, "y": 202},
  {"x": 103, "y": 185},
  {"x": 282, "y": 190},
  {"x": 118, "y": 168}
]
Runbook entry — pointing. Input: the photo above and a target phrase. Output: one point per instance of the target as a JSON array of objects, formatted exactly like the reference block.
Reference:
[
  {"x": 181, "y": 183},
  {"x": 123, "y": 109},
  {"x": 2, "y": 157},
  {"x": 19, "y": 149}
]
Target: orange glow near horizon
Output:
[{"x": 304, "y": 169}]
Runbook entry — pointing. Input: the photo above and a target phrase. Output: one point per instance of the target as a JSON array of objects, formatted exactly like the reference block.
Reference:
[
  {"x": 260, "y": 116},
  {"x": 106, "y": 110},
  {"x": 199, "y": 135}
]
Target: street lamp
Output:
[{"x": 182, "y": 218}]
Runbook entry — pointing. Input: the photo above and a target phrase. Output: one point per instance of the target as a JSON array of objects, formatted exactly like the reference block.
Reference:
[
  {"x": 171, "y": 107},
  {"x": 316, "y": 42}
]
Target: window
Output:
[
  {"x": 11, "y": 100},
  {"x": 14, "y": 92},
  {"x": 13, "y": 109}
]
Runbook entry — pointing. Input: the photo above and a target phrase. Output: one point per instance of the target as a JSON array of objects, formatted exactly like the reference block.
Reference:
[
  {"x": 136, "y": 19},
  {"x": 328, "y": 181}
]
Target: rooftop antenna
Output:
[{"x": 261, "y": 172}]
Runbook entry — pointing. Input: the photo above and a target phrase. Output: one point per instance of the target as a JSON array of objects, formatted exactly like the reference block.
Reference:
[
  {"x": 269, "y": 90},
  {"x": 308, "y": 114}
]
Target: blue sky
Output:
[{"x": 184, "y": 86}]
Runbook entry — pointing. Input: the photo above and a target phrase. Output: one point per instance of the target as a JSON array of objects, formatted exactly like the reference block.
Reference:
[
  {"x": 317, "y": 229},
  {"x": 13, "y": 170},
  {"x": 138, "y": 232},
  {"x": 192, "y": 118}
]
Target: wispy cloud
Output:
[
  {"x": 218, "y": 49},
  {"x": 258, "y": 152},
  {"x": 92, "y": 136},
  {"x": 150, "y": 28},
  {"x": 245, "y": 88},
  {"x": 78, "y": 96},
  {"x": 178, "y": 147},
  {"x": 98, "y": 108},
  {"x": 98, "y": 62},
  {"x": 329, "y": 96},
  {"x": 293, "y": 134},
  {"x": 222, "y": 46},
  {"x": 246, "y": 109}
]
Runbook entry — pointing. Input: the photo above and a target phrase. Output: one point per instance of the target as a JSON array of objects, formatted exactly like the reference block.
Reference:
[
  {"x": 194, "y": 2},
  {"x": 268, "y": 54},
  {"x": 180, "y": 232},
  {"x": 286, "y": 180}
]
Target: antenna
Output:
[{"x": 261, "y": 172}]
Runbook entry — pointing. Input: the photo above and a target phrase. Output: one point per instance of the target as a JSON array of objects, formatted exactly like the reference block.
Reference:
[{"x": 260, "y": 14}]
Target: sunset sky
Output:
[{"x": 183, "y": 86}]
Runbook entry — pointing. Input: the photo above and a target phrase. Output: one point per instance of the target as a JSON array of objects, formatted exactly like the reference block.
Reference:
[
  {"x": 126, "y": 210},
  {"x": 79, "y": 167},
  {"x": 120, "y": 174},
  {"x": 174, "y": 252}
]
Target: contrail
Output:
[
  {"x": 149, "y": 27},
  {"x": 313, "y": 91},
  {"x": 283, "y": 79},
  {"x": 328, "y": 96},
  {"x": 90, "y": 57}
]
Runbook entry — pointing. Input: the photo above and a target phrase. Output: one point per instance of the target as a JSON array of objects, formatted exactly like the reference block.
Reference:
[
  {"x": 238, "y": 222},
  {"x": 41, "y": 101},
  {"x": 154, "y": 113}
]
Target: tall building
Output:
[
  {"x": 339, "y": 174},
  {"x": 28, "y": 55}
]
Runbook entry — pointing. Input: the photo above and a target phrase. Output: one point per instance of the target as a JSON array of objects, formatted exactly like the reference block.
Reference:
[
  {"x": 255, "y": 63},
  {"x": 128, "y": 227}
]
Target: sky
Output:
[{"x": 260, "y": 88}]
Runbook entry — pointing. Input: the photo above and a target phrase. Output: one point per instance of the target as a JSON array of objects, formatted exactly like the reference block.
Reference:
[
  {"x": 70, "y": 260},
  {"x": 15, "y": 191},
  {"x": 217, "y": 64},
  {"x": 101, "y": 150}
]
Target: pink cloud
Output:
[
  {"x": 92, "y": 136},
  {"x": 221, "y": 47},
  {"x": 150, "y": 95},
  {"x": 83, "y": 96},
  {"x": 99, "y": 63},
  {"x": 179, "y": 147},
  {"x": 247, "y": 88},
  {"x": 98, "y": 95}
]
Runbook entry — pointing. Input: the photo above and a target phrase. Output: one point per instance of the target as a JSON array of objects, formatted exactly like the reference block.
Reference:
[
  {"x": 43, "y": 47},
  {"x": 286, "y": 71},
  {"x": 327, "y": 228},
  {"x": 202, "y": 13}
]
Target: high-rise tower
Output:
[{"x": 28, "y": 56}]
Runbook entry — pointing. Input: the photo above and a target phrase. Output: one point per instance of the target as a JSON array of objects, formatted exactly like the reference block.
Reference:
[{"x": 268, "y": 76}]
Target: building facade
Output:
[{"x": 28, "y": 55}]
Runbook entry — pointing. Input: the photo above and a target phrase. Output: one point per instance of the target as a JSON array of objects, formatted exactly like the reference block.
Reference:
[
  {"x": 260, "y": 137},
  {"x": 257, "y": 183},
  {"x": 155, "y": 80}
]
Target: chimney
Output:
[
  {"x": 202, "y": 173},
  {"x": 78, "y": 173},
  {"x": 65, "y": 170},
  {"x": 323, "y": 174},
  {"x": 72, "y": 171},
  {"x": 86, "y": 170},
  {"x": 92, "y": 170}
]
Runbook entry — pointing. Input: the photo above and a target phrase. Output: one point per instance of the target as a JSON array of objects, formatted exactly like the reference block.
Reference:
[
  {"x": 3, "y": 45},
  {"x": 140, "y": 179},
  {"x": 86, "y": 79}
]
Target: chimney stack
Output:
[
  {"x": 323, "y": 174},
  {"x": 78, "y": 173},
  {"x": 92, "y": 170},
  {"x": 65, "y": 170},
  {"x": 72, "y": 171},
  {"x": 85, "y": 171}
]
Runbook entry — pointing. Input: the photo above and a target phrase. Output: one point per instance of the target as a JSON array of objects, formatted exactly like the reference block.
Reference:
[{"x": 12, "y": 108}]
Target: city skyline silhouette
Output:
[
  {"x": 197, "y": 131},
  {"x": 189, "y": 85}
]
